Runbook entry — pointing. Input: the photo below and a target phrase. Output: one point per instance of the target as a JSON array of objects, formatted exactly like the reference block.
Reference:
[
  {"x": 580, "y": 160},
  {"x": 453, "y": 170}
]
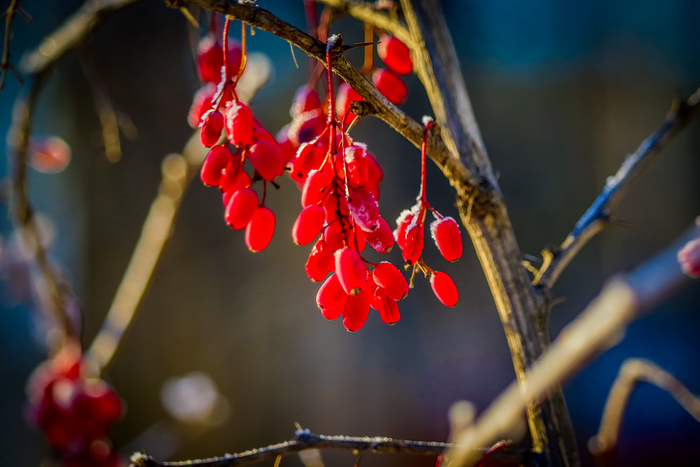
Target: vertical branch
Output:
[{"x": 522, "y": 312}]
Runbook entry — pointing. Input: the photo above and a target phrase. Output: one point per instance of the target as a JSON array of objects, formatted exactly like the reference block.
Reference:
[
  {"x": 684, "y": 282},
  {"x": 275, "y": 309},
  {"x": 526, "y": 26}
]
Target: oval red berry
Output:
[
  {"x": 444, "y": 288},
  {"x": 395, "y": 54},
  {"x": 447, "y": 237},
  {"x": 308, "y": 224},
  {"x": 260, "y": 229},
  {"x": 351, "y": 270},
  {"x": 392, "y": 282},
  {"x": 241, "y": 208}
]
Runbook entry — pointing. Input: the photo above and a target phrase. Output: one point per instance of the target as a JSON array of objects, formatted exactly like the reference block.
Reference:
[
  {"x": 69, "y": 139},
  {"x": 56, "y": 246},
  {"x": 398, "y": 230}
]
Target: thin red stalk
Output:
[
  {"x": 227, "y": 23},
  {"x": 424, "y": 150},
  {"x": 244, "y": 53}
]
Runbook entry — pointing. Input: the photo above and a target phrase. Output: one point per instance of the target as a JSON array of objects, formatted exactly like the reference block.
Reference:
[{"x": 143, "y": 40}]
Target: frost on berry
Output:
[
  {"x": 391, "y": 85},
  {"x": 390, "y": 280},
  {"x": 331, "y": 298},
  {"x": 217, "y": 160},
  {"x": 260, "y": 229},
  {"x": 212, "y": 125},
  {"x": 305, "y": 100},
  {"x": 351, "y": 271},
  {"x": 308, "y": 157},
  {"x": 356, "y": 311},
  {"x": 321, "y": 261},
  {"x": 241, "y": 208},
  {"x": 201, "y": 104},
  {"x": 447, "y": 237},
  {"x": 266, "y": 159},
  {"x": 382, "y": 239},
  {"x": 444, "y": 288},
  {"x": 395, "y": 54},
  {"x": 308, "y": 224},
  {"x": 689, "y": 258},
  {"x": 364, "y": 209},
  {"x": 239, "y": 123}
]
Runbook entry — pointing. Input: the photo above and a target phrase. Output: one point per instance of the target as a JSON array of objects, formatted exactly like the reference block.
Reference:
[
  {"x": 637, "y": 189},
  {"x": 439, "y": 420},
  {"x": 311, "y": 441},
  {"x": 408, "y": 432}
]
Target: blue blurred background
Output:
[{"x": 561, "y": 90}]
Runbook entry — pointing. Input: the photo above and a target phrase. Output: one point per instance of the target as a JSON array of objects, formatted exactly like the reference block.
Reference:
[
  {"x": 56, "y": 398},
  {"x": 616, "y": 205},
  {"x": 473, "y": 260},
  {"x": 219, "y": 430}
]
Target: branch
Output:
[
  {"x": 366, "y": 13},
  {"x": 597, "y": 216},
  {"x": 177, "y": 171},
  {"x": 70, "y": 34},
  {"x": 633, "y": 372},
  {"x": 305, "y": 440},
  {"x": 5, "y": 64},
  {"x": 600, "y": 326}
]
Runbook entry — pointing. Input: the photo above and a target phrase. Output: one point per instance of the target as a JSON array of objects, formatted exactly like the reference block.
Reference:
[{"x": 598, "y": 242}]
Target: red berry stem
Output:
[
  {"x": 423, "y": 172},
  {"x": 227, "y": 23},
  {"x": 244, "y": 54}
]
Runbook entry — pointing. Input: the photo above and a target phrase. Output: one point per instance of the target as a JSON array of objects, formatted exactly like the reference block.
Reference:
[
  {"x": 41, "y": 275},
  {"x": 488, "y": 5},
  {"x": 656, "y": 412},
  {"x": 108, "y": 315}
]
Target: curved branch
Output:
[
  {"x": 597, "y": 216},
  {"x": 633, "y": 372},
  {"x": 305, "y": 440},
  {"x": 5, "y": 64},
  {"x": 600, "y": 326}
]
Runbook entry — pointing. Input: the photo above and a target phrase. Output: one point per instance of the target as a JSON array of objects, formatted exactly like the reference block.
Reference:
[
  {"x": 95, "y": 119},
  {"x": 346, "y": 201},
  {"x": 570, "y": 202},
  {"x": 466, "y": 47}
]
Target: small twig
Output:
[
  {"x": 633, "y": 372},
  {"x": 105, "y": 108},
  {"x": 600, "y": 326},
  {"x": 177, "y": 171},
  {"x": 597, "y": 216},
  {"x": 5, "y": 65},
  {"x": 305, "y": 440},
  {"x": 366, "y": 13}
]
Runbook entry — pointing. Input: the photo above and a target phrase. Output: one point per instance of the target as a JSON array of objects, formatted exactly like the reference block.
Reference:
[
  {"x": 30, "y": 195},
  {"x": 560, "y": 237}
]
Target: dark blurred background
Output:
[{"x": 561, "y": 90}]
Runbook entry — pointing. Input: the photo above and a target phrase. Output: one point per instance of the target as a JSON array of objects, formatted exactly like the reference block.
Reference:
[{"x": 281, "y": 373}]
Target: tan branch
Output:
[
  {"x": 365, "y": 12},
  {"x": 5, "y": 64},
  {"x": 600, "y": 326},
  {"x": 633, "y": 372},
  {"x": 306, "y": 440},
  {"x": 598, "y": 214}
]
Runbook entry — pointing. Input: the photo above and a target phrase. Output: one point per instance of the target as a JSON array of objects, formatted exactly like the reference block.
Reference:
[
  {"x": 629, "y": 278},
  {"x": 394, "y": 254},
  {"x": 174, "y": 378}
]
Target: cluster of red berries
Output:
[
  {"x": 409, "y": 234},
  {"x": 339, "y": 181},
  {"x": 245, "y": 139},
  {"x": 74, "y": 411}
]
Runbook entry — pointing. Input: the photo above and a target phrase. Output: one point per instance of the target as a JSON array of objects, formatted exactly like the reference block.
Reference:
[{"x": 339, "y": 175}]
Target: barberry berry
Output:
[
  {"x": 444, "y": 288},
  {"x": 351, "y": 271},
  {"x": 447, "y": 237},
  {"x": 391, "y": 85},
  {"x": 217, "y": 161},
  {"x": 390, "y": 280},
  {"x": 308, "y": 224},
  {"x": 395, "y": 54},
  {"x": 241, "y": 208},
  {"x": 260, "y": 229}
]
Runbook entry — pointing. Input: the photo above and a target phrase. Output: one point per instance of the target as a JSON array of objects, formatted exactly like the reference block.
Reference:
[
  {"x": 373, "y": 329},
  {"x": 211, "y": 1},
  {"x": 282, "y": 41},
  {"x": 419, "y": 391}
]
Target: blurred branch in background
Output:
[
  {"x": 5, "y": 64},
  {"x": 633, "y": 372},
  {"x": 600, "y": 326},
  {"x": 598, "y": 214},
  {"x": 306, "y": 440}
]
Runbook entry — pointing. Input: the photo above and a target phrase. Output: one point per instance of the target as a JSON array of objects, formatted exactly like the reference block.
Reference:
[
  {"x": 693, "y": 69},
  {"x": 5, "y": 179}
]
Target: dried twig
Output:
[
  {"x": 305, "y": 440},
  {"x": 600, "y": 326},
  {"x": 5, "y": 64},
  {"x": 633, "y": 372},
  {"x": 598, "y": 214},
  {"x": 177, "y": 171}
]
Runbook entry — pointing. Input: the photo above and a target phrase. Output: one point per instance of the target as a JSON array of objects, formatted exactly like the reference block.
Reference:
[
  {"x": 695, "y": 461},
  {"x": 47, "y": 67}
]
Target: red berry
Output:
[
  {"x": 364, "y": 209},
  {"x": 241, "y": 208},
  {"x": 447, "y": 237},
  {"x": 356, "y": 311},
  {"x": 217, "y": 160},
  {"x": 307, "y": 126},
  {"x": 267, "y": 159},
  {"x": 316, "y": 187},
  {"x": 260, "y": 229},
  {"x": 382, "y": 239},
  {"x": 331, "y": 298},
  {"x": 395, "y": 54},
  {"x": 209, "y": 59},
  {"x": 261, "y": 134},
  {"x": 409, "y": 234},
  {"x": 239, "y": 123},
  {"x": 391, "y": 85},
  {"x": 308, "y": 224},
  {"x": 390, "y": 280},
  {"x": 387, "y": 307},
  {"x": 308, "y": 157},
  {"x": 345, "y": 96},
  {"x": 211, "y": 128},
  {"x": 305, "y": 99},
  {"x": 320, "y": 262},
  {"x": 231, "y": 180},
  {"x": 201, "y": 103},
  {"x": 48, "y": 155},
  {"x": 689, "y": 258},
  {"x": 444, "y": 288},
  {"x": 351, "y": 270}
]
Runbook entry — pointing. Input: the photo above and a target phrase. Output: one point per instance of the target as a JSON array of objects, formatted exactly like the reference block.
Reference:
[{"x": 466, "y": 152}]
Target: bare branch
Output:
[
  {"x": 305, "y": 440},
  {"x": 5, "y": 64},
  {"x": 633, "y": 372},
  {"x": 70, "y": 34},
  {"x": 597, "y": 216},
  {"x": 366, "y": 13},
  {"x": 600, "y": 326},
  {"x": 177, "y": 171}
]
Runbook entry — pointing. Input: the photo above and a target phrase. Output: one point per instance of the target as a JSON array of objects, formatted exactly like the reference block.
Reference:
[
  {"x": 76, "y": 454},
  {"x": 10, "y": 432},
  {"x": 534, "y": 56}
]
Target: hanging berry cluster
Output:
[
  {"x": 74, "y": 411},
  {"x": 339, "y": 181},
  {"x": 409, "y": 235}
]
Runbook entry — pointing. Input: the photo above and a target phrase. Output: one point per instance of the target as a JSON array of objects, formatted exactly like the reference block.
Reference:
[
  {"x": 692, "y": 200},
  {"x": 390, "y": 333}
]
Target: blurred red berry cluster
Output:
[{"x": 73, "y": 410}]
